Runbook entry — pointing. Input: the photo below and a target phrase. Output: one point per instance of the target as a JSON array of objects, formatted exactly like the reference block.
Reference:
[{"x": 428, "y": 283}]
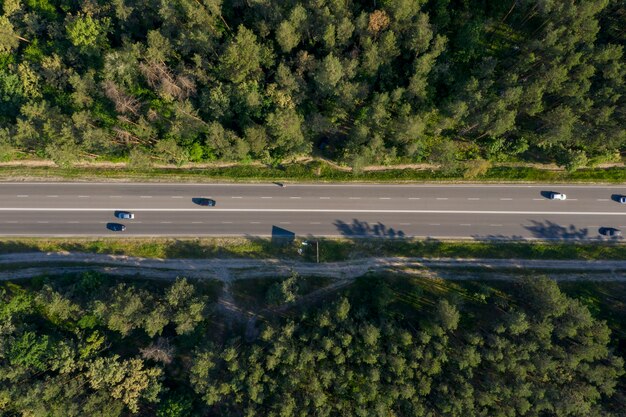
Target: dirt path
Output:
[
  {"x": 28, "y": 265},
  {"x": 227, "y": 270}
]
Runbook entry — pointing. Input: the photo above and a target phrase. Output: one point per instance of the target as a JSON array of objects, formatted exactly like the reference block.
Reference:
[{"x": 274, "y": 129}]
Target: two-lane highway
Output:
[{"x": 433, "y": 210}]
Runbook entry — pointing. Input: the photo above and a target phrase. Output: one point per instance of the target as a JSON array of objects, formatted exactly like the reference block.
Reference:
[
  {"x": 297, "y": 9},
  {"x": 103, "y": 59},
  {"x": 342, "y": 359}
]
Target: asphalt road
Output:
[{"x": 438, "y": 211}]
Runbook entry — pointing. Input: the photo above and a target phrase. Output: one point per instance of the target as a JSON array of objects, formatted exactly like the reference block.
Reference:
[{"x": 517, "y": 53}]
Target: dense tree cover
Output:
[
  {"x": 89, "y": 346},
  {"x": 359, "y": 81}
]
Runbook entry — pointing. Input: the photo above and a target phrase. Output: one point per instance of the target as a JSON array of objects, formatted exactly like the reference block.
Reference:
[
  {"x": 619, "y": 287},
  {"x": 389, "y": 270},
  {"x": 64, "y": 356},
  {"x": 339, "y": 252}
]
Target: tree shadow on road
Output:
[
  {"x": 360, "y": 228},
  {"x": 554, "y": 231}
]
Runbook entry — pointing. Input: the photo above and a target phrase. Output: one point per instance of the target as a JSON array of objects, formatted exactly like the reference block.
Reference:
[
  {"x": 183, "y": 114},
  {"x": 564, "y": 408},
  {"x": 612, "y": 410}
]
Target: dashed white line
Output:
[
  {"x": 145, "y": 196},
  {"x": 266, "y": 197},
  {"x": 414, "y": 198},
  {"x": 177, "y": 196},
  {"x": 602, "y": 199},
  {"x": 52, "y": 196},
  {"x": 538, "y": 199},
  {"x": 73, "y": 222},
  {"x": 434, "y": 224},
  {"x": 196, "y": 222},
  {"x": 354, "y": 198},
  {"x": 465, "y": 224},
  {"x": 285, "y": 222},
  {"x": 495, "y": 225},
  {"x": 384, "y": 198},
  {"x": 473, "y": 198},
  {"x": 324, "y": 198},
  {"x": 295, "y": 197},
  {"x": 83, "y": 196},
  {"x": 166, "y": 222},
  {"x": 255, "y": 222},
  {"x": 12, "y": 221},
  {"x": 506, "y": 199},
  {"x": 441, "y": 198},
  {"x": 115, "y": 196},
  {"x": 404, "y": 224},
  {"x": 572, "y": 199},
  {"x": 226, "y": 222},
  {"x": 236, "y": 196},
  {"x": 315, "y": 223},
  {"x": 308, "y": 210},
  {"x": 22, "y": 196},
  {"x": 43, "y": 222}
]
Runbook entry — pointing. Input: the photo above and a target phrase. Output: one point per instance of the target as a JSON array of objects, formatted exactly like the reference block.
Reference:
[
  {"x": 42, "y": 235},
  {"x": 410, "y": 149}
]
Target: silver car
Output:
[{"x": 126, "y": 215}]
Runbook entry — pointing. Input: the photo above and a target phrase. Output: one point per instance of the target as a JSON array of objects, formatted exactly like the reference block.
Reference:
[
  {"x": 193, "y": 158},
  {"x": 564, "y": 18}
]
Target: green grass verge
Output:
[
  {"x": 330, "y": 249},
  {"x": 310, "y": 171}
]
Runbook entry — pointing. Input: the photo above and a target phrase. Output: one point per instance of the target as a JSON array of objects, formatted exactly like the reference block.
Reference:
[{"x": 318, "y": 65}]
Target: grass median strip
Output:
[{"x": 330, "y": 249}]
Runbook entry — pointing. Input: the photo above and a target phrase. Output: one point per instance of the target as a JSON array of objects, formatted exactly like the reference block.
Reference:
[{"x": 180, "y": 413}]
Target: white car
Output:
[
  {"x": 557, "y": 196},
  {"x": 124, "y": 215}
]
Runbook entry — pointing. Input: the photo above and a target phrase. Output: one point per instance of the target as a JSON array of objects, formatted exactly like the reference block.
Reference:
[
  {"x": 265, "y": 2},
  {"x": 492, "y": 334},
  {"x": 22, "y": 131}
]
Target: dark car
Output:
[
  {"x": 116, "y": 227},
  {"x": 209, "y": 202},
  {"x": 610, "y": 231}
]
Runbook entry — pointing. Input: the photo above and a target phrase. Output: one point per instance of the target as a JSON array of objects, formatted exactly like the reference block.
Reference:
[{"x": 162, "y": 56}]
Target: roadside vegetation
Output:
[
  {"x": 92, "y": 344},
  {"x": 397, "y": 81},
  {"x": 317, "y": 171},
  {"x": 330, "y": 249}
]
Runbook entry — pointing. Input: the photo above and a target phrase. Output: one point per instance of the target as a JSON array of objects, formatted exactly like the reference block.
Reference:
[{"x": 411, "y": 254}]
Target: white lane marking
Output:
[
  {"x": 137, "y": 222},
  {"x": 414, "y": 198},
  {"x": 384, "y": 198},
  {"x": 602, "y": 199},
  {"x": 145, "y": 196},
  {"x": 196, "y": 222},
  {"x": 572, "y": 199},
  {"x": 255, "y": 222},
  {"x": 441, "y": 198},
  {"x": 506, "y": 199},
  {"x": 73, "y": 222},
  {"x": 295, "y": 210},
  {"x": 285, "y": 222},
  {"x": 354, "y": 198},
  {"x": 227, "y": 222},
  {"x": 266, "y": 197},
  {"x": 43, "y": 222},
  {"x": 295, "y": 197},
  {"x": 404, "y": 224},
  {"x": 166, "y": 222},
  {"x": 538, "y": 199},
  {"x": 52, "y": 196},
  {"x": 434, "y": 224},
  {"x": 177, "y": 196},
  {"x": 465, "y": 224},
  {"x": 473, "y": 198},
  {"x": 315, "y": 223},
  {"x": 495, "y": 225},
  {"x": 12, "y": 221},
  {"x": 236, "y": 197},
  {"x": 324, "y": 198},
  {"x": 22, "y": 195},
  {"x": 83, "y": 196},
  {"x": 115, "y": 196}
]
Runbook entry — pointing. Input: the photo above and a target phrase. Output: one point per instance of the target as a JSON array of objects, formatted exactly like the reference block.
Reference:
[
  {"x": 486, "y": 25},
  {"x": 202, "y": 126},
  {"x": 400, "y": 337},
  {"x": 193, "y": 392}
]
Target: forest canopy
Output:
[
  {"x": 85, "y": 344},
  {"x": 358, "y": 82}
]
